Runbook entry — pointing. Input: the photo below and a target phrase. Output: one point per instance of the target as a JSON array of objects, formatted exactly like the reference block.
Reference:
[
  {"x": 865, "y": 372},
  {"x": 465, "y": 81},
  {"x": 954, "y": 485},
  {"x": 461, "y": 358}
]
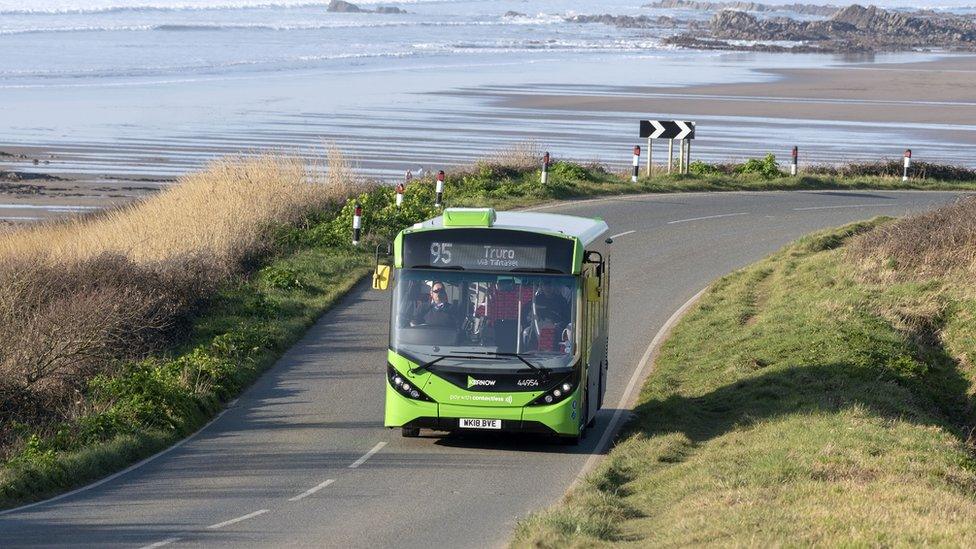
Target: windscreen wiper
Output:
[
  {"x": 439, "y": 358},
  {"x": 541, "y": 369}
]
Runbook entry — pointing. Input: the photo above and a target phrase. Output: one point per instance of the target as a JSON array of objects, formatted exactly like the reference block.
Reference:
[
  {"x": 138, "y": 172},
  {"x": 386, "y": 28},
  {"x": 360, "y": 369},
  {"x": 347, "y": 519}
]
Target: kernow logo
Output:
[{"x": 480, "y": 382}]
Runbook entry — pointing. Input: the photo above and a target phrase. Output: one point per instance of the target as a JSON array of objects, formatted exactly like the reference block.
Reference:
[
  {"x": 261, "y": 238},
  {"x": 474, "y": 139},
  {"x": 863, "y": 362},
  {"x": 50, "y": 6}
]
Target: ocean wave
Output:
[
  {"x": 277, "y": 64},
  {"x": 193, "y": 27},
  {"x": 76, "y": 7},
  {"x": 518, "y": 46}
]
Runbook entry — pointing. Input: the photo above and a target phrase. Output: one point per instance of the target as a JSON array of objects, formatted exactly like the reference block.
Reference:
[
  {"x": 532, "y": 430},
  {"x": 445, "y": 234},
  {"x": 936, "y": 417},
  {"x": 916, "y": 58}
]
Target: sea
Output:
[{"x": 157, "y": 88}]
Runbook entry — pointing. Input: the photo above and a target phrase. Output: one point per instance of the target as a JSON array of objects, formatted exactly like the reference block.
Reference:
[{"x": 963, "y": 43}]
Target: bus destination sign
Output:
[{"x": 487, "y": 256}]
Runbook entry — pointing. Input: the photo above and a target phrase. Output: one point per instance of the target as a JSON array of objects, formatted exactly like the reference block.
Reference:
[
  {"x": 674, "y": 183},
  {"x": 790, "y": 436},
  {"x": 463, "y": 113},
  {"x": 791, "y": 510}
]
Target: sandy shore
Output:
[
  {"x": 850, "y": 112},
  {"x": 936, "y": 92},
  {"x": 29, "y": 193}
]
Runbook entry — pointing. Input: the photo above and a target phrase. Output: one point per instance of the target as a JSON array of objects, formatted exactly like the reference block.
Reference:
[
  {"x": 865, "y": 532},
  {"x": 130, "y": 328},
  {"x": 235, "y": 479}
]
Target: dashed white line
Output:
[
  {"x": 312, "y": 490},
  {"x": 625, "y": 233},
  {"x": 706, "y": 217},
  {"x": 166, "y": 541},
  {"x": 238, "y": 519},
  {"x": 379, "y": 446},
  {"x": 842, "y": 206}
]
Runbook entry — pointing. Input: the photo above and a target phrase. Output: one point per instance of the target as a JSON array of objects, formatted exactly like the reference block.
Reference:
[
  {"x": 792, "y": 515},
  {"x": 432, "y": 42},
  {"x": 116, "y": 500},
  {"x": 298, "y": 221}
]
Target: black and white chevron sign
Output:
[{"x": 667, "y": 129}]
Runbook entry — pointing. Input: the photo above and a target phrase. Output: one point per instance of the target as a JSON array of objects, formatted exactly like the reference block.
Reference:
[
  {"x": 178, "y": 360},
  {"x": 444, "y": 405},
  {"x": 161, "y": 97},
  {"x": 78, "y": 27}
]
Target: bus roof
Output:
[{"x": 583, "y": 228}]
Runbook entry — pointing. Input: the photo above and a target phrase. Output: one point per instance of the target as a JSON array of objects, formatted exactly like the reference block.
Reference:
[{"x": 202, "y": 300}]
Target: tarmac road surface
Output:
[{"x": 302, "y": 458}]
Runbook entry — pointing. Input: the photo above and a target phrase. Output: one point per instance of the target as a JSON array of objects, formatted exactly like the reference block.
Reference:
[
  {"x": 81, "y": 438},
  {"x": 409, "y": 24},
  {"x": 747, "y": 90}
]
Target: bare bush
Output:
[
  {"x": 894, "y": 168},
  {"x": 62, "y": 325},
  {"x": 933, "y": 243}
]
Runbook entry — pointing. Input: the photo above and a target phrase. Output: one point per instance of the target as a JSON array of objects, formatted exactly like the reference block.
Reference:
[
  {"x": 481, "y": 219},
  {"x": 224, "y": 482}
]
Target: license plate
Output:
[{"x": 481, "y": 424}]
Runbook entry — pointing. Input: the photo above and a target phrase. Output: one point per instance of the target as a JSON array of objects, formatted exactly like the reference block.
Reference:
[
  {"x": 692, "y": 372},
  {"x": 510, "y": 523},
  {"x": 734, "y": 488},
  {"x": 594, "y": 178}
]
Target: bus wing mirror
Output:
[
  {"x": 592, "y": 289},
  {"x": 382, "y": 276}
]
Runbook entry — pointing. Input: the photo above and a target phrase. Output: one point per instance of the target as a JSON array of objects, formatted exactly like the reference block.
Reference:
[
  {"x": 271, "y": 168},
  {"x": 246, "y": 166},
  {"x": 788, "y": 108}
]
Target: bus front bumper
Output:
[{"x": 557, "y": 419}]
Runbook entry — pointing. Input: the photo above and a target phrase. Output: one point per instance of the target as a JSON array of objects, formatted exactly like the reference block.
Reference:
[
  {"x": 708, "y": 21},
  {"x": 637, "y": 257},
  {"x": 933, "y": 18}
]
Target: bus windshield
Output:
[{"x": 485, "y": 320}]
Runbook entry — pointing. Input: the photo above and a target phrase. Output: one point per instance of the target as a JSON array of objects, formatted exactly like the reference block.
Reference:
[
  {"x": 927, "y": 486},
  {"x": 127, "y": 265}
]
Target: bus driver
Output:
[{"x": 439, "y": 312}]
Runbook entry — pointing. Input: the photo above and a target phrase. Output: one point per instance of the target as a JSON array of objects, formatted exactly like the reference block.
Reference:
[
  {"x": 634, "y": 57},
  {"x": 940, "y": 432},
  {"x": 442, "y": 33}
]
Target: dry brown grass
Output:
[
  {"x": 931, "y": 244},
  {"x": 78, "y": 295},
  {"x": 524, "y": 155},
  {"x": 222, "y": 214}
]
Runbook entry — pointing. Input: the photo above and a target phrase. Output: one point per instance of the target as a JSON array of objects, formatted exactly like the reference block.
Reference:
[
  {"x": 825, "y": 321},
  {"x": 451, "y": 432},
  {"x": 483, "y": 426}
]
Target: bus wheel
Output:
[{"x": 410, "y": 432}]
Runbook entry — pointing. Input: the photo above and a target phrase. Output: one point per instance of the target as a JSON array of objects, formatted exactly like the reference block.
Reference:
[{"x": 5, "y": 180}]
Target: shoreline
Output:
[{"x": 837, "y": 114}]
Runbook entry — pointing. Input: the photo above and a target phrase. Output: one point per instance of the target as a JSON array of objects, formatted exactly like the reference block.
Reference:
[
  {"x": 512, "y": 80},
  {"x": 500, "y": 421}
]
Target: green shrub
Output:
[
  {"x": 700, "y": 168},
  {"x": 765, "y": 168},
  {"x": 568, "y": 171},
  {"x": 281, "y": 277}
]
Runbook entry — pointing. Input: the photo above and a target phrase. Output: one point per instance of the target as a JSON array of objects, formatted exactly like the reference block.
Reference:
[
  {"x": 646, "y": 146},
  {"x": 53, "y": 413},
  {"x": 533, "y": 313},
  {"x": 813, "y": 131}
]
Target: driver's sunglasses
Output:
[{"x": 438, "y": 291}]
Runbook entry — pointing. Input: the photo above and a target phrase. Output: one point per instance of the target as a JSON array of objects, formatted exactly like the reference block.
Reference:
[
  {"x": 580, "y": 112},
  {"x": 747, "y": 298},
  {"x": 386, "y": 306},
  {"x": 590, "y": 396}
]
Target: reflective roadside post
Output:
[
  {"x": 650, "y": 156},
  {"x": 357, "y": 224},
  {"x": 796, "y": 154},
  {"x": 545, "y": 168},
  {"x": 439, "y": 189},
  {"x": 908, "y": 164},
  {"x": 400, "y": 189},
  {"x": 633, "y": 178}
]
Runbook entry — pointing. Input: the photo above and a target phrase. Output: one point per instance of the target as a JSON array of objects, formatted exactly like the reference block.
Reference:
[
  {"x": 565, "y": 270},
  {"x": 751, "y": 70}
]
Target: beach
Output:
[{"x": 437, "y": 87}]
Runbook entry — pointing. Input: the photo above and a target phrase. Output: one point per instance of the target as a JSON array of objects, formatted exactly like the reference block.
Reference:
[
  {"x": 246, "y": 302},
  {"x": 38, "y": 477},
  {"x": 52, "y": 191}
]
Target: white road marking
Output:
[
  {"x": 625, "y": 233},
  {"x": 238, "y": 519},
  {"x": 379, "y": 446},
  {"x": 626, "y": 399},
  {"x": 166, "y": 541},
  {"x": 843, "y": 206},
  {"x": 706, "y": 217},
  {"x": 312, "y": 490}
]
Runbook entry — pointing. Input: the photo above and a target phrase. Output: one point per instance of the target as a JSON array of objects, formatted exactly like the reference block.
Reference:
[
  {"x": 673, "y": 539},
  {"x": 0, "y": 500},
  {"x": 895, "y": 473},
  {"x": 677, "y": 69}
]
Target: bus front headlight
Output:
[
  {"x": 560, "y": 392},
  {"x": 402, "y": 386}
]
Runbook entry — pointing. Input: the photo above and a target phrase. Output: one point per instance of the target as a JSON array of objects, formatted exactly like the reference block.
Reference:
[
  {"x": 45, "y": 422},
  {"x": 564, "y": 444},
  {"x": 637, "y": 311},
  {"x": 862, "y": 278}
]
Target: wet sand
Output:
[
  {"x": 28, "y": 193},
  {"x": 936, "y": 92},
  {"x": 837, "y": 114}
]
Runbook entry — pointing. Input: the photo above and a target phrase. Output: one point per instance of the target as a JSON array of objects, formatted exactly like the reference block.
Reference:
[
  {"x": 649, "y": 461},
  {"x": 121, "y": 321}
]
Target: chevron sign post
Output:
[{"x": 682, "y": 130}]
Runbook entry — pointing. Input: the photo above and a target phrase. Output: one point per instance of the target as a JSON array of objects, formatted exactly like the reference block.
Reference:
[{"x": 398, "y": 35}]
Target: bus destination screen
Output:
[{"x": 486, "y": 256}]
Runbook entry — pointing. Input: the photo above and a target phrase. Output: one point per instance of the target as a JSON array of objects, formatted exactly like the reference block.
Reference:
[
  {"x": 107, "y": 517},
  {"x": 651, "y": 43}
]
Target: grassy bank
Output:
[
  {"x": 820, "y": 396},
  {"x": 127, "y": 330}
]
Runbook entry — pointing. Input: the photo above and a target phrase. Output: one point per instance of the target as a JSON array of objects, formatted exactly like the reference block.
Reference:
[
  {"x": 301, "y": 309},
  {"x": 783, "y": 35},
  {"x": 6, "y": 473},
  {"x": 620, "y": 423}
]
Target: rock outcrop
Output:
[
  {"x": 805, "y": 9},
  {"x": 852, "y": 29},
  {"x": 390, "y": 10},
  {"x": 341, "y": 6},
  {"x": 623, "y": 21}
]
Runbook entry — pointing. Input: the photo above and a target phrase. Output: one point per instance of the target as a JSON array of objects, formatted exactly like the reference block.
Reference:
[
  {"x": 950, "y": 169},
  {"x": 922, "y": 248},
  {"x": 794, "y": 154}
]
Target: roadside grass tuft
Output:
[{"x": 839, "y": 412}]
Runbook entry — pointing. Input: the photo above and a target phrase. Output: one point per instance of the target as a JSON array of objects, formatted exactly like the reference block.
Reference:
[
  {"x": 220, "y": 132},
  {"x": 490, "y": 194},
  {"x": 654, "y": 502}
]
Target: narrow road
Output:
[{"x": 302, "y": 459}]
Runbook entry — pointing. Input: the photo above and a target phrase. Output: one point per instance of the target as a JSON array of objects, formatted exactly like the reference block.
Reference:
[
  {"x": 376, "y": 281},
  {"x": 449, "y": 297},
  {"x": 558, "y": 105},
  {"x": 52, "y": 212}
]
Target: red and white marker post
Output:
[
  {"x": 908, "y": 164},
  {"x": 357, "y": 223},
  {"x": 439, "y": 189},
  {"x": 793, "y": 162},
  {"x": 400, "y": 189},
  {"x": 545, "y": 168},
  {"x": 633, "y": 178}
]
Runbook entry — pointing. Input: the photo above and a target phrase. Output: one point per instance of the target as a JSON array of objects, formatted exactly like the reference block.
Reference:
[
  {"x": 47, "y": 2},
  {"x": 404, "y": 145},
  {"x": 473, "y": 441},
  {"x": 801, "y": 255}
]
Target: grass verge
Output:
[{"x": 813, "y": 398}]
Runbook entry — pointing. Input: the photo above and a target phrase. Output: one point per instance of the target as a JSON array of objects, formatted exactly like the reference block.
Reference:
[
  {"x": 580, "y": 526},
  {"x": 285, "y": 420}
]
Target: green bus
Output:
[{"x": 499, "y": 323}]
